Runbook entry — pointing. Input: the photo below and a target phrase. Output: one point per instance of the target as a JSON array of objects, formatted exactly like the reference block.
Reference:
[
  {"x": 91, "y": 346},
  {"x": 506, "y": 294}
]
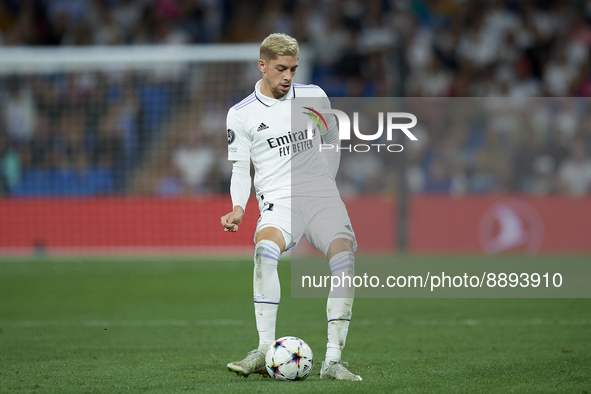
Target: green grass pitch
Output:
[{"x": 171, "y": 325}]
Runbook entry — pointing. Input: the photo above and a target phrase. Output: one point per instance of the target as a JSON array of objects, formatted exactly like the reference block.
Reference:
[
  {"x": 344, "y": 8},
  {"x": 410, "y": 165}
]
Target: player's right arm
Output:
[
  {"x": 239, "y": 191},
  {"x": 239, "y": 144}
]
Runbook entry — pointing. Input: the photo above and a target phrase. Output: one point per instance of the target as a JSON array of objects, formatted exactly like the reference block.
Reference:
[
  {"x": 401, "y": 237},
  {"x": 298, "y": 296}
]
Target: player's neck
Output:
[{"x": 266, "y": 90}]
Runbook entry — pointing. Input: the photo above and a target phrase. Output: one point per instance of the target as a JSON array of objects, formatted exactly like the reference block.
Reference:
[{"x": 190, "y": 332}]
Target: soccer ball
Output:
[{"x": 289, "y": 358}]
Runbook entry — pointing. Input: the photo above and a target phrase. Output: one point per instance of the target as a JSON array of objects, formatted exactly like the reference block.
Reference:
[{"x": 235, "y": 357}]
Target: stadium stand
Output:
[{"x": 98, "y": 133}]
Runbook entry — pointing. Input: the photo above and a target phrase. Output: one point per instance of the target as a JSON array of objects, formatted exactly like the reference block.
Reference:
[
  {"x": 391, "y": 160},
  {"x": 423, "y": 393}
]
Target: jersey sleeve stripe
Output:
[
  {"x": 244, "y": 101},
  {"x": 246, "y": 98},
  {"x": 237, "y": 107}
]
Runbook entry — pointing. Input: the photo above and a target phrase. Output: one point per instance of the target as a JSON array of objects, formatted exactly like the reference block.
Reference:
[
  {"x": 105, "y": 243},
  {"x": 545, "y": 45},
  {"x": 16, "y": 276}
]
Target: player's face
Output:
[{"x": 278, "y": 75}]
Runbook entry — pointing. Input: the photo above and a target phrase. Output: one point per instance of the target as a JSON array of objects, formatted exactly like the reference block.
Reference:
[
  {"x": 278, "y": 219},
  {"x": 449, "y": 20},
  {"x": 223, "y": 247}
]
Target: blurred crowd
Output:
[
  {"x": 537, "y": 146},
  {"x": 136, "y": 133}
]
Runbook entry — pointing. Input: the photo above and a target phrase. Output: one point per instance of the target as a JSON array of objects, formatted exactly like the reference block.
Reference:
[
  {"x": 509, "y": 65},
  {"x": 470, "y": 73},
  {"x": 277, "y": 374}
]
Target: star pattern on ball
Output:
[
  {"x": 277, "y": 345},
  {"x": 275, "y": 369},
  {"x": 296, "y": 357}
]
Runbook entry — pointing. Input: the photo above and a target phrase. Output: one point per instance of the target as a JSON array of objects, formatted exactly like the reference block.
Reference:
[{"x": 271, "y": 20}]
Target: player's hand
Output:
[{"x": 232, "y": 220}]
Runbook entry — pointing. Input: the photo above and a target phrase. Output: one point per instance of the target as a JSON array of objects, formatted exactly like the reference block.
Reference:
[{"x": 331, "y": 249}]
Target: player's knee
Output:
[
  {"x": 273, "y": 235},
  {"x": 339, "y": 245}
]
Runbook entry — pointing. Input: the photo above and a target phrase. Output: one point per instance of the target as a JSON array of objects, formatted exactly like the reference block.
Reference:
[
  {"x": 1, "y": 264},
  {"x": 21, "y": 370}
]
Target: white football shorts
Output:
[{"x": 320, "y": 219}]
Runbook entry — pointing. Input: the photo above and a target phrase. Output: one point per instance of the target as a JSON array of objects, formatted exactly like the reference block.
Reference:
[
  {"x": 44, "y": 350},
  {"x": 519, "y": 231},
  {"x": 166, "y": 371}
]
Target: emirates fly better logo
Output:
[{"x": 345, "y": 129}]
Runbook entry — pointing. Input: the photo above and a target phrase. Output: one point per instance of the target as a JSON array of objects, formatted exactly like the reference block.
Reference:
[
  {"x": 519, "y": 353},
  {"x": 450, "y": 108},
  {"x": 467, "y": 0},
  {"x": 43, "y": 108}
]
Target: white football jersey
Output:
[{"x": 286, "y": 162}]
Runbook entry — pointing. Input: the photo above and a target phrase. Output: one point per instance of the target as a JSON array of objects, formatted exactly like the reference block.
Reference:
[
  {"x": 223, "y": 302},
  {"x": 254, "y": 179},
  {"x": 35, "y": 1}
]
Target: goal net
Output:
[{"x": 88, "y": 135}]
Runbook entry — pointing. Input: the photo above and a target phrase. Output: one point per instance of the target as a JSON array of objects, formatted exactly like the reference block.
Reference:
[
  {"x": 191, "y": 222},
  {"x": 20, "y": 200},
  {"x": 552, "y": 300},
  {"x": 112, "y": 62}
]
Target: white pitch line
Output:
[{"x": 235, "y": 322}]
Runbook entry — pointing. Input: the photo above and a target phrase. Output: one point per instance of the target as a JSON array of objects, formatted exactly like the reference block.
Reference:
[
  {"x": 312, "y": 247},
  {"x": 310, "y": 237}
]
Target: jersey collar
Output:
[{"x": 269, "y": 101}]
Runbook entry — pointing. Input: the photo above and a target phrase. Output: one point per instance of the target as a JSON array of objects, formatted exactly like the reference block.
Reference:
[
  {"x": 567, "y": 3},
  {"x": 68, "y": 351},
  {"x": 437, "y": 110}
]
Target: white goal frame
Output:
[{"x": 23, "y": 60}]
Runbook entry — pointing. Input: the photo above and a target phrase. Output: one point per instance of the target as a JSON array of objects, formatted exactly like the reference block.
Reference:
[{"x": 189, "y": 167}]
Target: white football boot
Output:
[
  {"x": 253, "y": 363},
  {"x": 336, "y": 370}
]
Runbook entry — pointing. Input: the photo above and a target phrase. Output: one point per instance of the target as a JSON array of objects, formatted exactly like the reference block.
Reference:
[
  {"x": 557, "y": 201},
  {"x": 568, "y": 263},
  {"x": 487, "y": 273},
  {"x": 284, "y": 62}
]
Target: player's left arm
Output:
[{"x": 331, "y": 136}]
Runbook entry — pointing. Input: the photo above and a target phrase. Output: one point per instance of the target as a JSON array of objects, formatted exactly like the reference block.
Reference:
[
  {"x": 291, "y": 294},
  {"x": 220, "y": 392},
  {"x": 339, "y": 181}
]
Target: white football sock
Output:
[
  {"x": 340, "y": 304},
  {"x": 267, "y": 291}
]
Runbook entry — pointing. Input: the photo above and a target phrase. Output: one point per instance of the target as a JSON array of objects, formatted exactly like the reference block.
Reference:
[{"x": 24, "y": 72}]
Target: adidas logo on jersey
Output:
[
  {"x": 262, "y": 127},
  {"x": 348, "y": 227}
]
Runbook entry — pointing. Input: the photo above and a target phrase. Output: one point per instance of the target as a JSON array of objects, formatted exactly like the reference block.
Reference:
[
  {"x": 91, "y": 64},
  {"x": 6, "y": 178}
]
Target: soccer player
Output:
[{"x": 259, "y": 130}]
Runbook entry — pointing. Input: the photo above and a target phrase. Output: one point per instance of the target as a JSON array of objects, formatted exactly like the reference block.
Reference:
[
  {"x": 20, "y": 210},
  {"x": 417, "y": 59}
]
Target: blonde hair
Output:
[{"x": 279, "y": 44}]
